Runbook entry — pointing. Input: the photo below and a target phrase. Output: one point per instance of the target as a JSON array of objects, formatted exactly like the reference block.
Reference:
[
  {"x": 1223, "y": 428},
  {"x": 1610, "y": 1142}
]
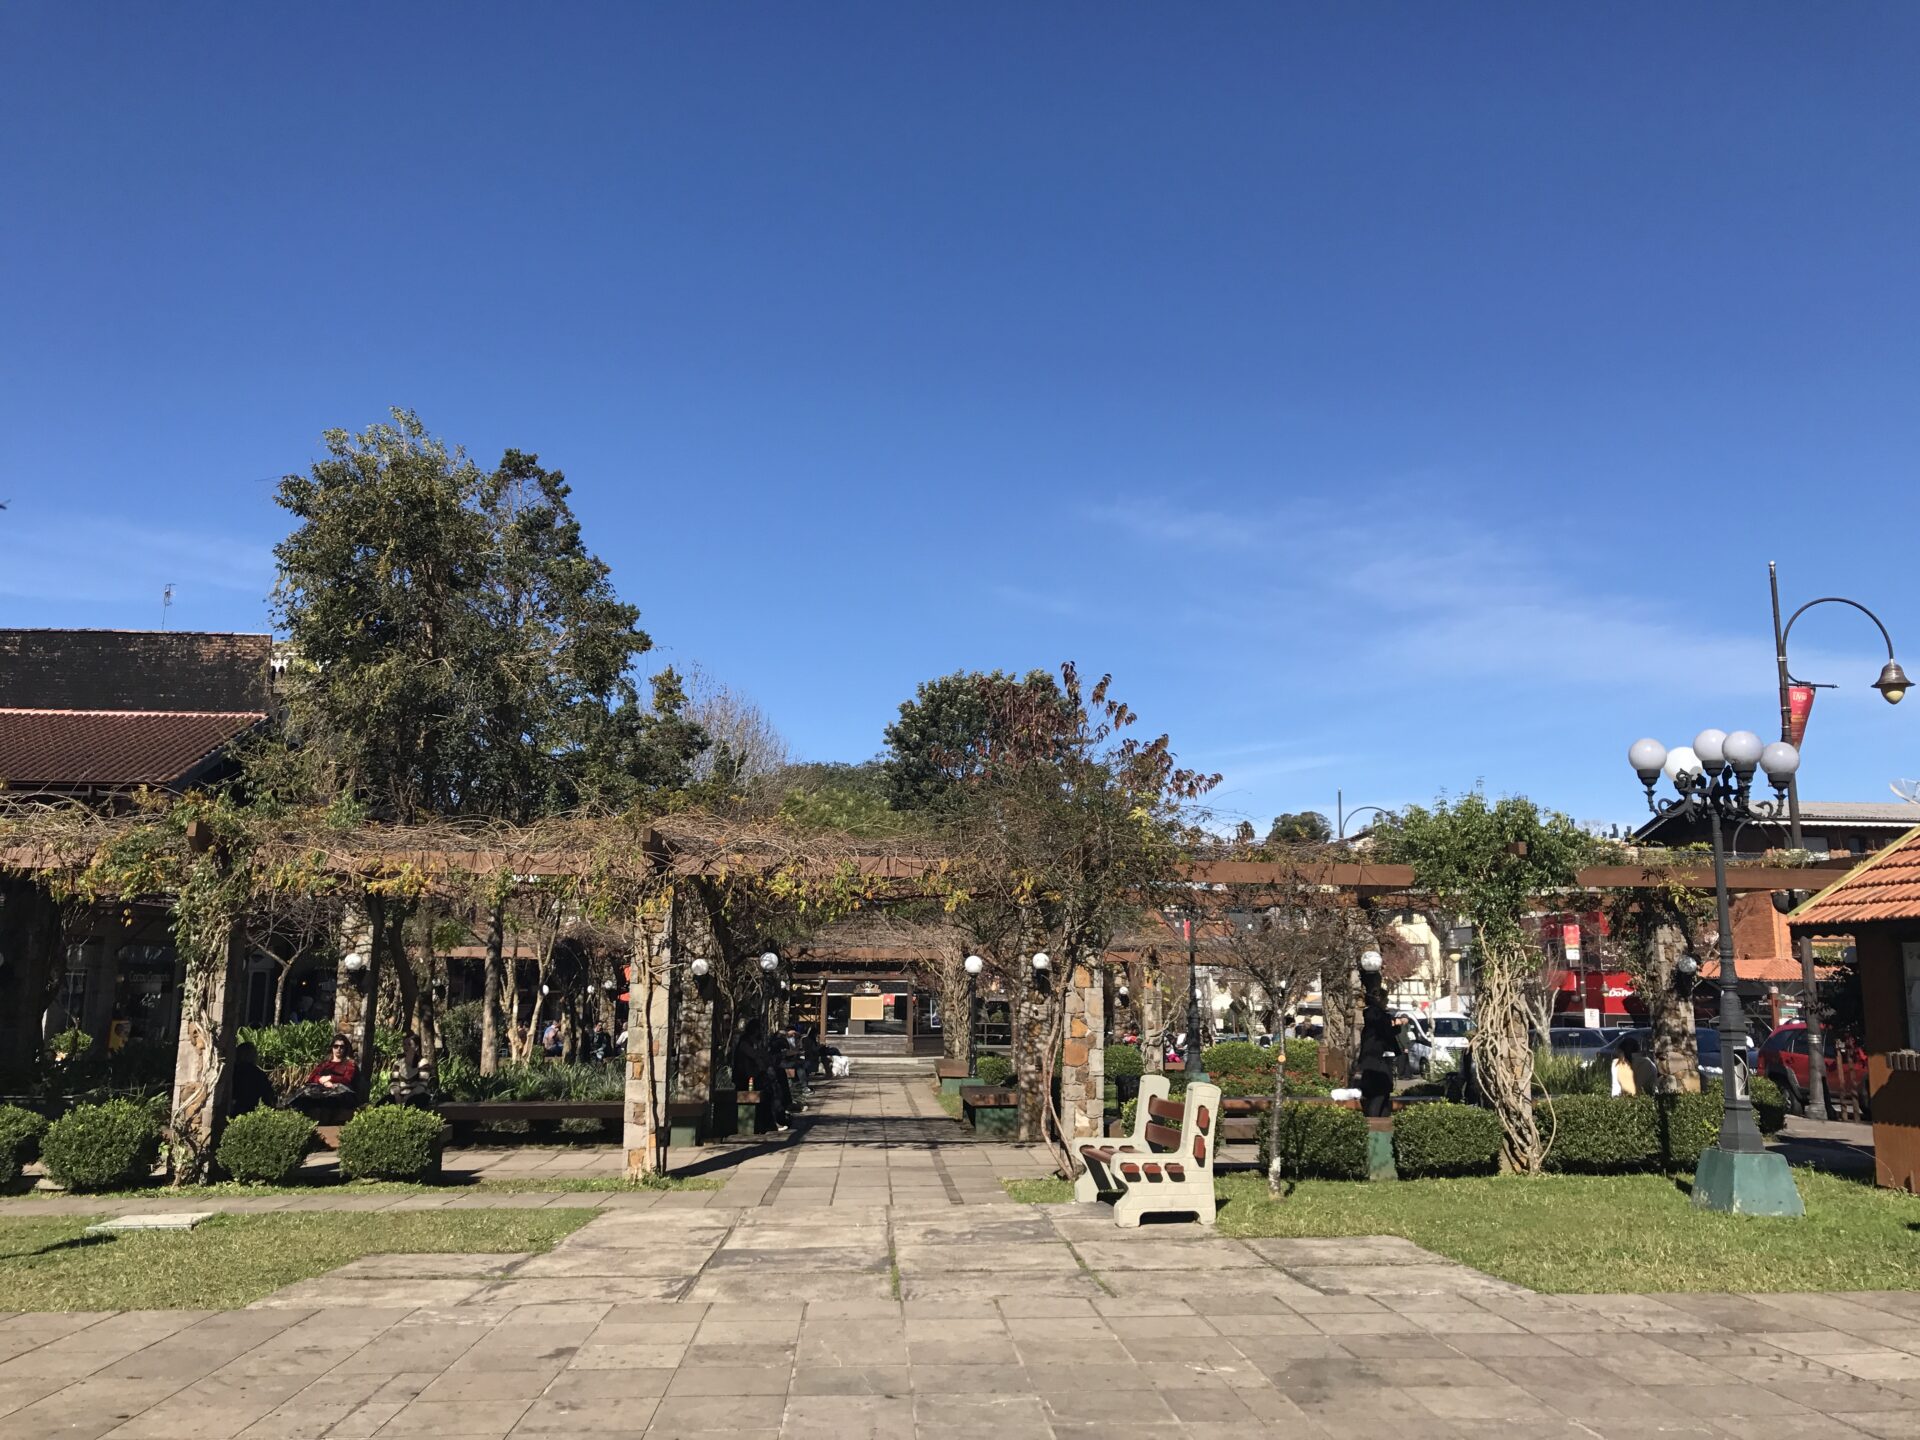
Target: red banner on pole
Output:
[{"x": 1799, "y": 706}]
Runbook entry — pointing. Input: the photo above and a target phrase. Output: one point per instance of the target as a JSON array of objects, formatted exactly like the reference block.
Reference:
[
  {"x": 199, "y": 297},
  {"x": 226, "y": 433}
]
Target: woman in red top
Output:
[{"x": 336, "y": 1072}]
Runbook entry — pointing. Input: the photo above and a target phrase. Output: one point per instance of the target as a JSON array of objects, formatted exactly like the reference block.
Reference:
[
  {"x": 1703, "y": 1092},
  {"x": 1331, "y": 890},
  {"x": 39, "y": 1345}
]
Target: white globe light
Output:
[
  {"x": 1743, "y": 749},
  {"x": 355, "y": 962},
  {"x": 974, "y": 964},
  {"x": 1040, "y": 960},
  {"x": 700, "y": 969},
  {"x": 1647, "y": 756},
  {"x": 1780, "y": 760},
  {"x": 1709, "y": 745},
  {"x": 769, "y": 962},
  {"x": 1682, "y": 764},
  {"x": 1371, "y": 962}
]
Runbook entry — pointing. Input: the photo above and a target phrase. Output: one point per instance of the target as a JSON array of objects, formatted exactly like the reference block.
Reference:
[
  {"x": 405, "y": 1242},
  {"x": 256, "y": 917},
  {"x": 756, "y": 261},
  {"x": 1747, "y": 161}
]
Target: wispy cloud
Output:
[{"x": 100, "y": 559}]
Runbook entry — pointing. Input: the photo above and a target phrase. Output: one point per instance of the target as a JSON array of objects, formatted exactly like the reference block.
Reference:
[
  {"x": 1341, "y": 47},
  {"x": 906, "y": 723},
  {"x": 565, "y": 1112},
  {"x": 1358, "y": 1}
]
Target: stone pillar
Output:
[
  {"x": 202, "y": 1067},
  {"x": 351, "y": 991},
  {"x": 1153, "y": 1020},
  {"x": 649, "y": 1019},
  {"x": 691, "y": 1026},
  {"x": 1083, "y": 1055}
]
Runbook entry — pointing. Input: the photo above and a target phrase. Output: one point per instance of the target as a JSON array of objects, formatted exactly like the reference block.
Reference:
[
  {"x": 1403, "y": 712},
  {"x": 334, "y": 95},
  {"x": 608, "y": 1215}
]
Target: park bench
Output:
[
  {"x": 1176, "y": 1176},
  {"x": 542, "y": 1116},
  {"x": 992, "y": 1110},
  {"x": 1152, "y": 1103},
  {"x": 953, "y": 1074}
]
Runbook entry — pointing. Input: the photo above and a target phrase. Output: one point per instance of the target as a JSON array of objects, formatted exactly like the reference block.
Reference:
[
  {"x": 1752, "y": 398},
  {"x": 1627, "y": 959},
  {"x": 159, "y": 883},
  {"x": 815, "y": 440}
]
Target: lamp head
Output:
[
  {"x": 355, "y": 962},
  {"x": 1892, "y": 682},
  {"x": 1646, "y": 757},
  {"x": 1682, "y": 765},
  {"x": 769, "y": 963},
  {"x": 1780, "y": 760},
  {"x": 1686, "y": 965},
  {"x": 1710, "y": 746},
  {"x": 700, "y": 967},
  {"x": 1371, "y": 962},
  {"x": 1743, "y": 749},
  {"x": 1040, "y": 960},
  {"x": 973, "y": 964}
]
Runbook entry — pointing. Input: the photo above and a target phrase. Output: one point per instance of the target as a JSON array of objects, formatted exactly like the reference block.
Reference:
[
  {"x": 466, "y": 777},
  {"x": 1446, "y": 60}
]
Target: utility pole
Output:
[{"x": 1803, "y": 947}]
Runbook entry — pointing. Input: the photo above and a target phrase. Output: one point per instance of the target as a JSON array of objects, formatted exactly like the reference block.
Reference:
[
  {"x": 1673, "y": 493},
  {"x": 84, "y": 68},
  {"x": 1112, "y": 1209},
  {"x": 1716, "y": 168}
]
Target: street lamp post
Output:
[
  {"x": 769, "y": 962},
  {"x": 1714, "y": 776},
  {"x": 1195, "y": 1070},
  {"x": 973, "y": 965},
  {"x": 1892, "y": 684}
]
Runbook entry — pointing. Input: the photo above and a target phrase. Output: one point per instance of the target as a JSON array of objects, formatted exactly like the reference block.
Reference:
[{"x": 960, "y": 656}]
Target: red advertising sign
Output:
[{"x": 1799, "y": 707}]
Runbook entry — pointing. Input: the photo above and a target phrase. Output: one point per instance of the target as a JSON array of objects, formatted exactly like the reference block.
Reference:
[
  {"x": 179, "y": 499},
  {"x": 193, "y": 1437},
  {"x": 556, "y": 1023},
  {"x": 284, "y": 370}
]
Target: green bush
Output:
[
  {"x": 1318, "y": 1142},
  {"x": 265, "y": 1146},
  {"x": 460, "y": 1030},
  {"x": 304, "y": 1043},
  {"x": 391, "y": 1142},
  {"x": 102, "y": 1147},
  {"x": 460, "y": 1079},
  {"x": 1123, "y": 1061},
  {"x": 1595, "y": 1134},
  {"x": 1569, "y": 1075},
  {"x": 1769, "y": 1105},
  {"x": 1129, "y": 1112},
  {"x": 20, "y": 1132},
  {"x": 1238, "y": 1057},
  {"x": 993, "y": 1069},
  {"x": 1444, "y": 1139}
]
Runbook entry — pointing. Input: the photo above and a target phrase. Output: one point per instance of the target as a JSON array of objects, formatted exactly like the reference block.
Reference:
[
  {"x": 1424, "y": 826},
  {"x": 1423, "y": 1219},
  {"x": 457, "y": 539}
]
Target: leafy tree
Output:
[
  {"x": 1306, "y": 827},
  {"x": 948, "y": 733},
  {"x": 847, "y": 798},
  {"x": 1061, "y": 826},
  {"x": 1492, "y": 862}
]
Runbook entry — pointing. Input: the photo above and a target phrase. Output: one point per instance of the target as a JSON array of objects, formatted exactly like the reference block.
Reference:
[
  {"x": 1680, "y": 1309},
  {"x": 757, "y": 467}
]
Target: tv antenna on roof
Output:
[
  {"x": 166, "y": 604},
  {"x": 1908, "y": 790}
]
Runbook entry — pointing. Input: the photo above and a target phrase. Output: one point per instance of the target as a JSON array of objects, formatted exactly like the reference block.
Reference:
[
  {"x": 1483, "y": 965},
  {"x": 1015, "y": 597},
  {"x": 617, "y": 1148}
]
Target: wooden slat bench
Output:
[
  {"x": 993, "y": 1111},
  {"x": 953, "y": 1074},
  {"x": 543, "y": 1116}
]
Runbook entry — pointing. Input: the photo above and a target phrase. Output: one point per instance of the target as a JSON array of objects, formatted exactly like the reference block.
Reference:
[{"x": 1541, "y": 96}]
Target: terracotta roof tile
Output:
[
  {"x": 72, "y": 748},
  {"x": 1887, "y": 887}
]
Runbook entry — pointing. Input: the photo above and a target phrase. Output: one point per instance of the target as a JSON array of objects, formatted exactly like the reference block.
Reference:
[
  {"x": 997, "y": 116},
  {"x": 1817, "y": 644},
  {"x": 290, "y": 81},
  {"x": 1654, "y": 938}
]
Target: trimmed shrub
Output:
[
  {"x": 1123, "y": 1061},
  {"x": 1238, "y": 1057},
  {"x": 102, "y": 1147},
  {"x": 993, "y": 1069},
  {"x": 1599, "y": 1135},
  {"x": 460, "y": 1027},
  {"x": 391, "y": 1142},
  {"x": 1444, "y": 1139},
  {"x": 1318, "y": 1142},
  {"x": 20, "y": 1132},
  {"x": 265, "y": 1147}
]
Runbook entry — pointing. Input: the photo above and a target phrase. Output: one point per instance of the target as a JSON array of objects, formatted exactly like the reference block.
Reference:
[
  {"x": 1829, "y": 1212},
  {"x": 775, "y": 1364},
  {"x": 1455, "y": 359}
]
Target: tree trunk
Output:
[
  {"x": 203, "y": 1069},
  {"x": 1153, "y": 1022},
  {"x": 956, "y": 1024},
  {"x": 490, "y": 1001},
  {"x": 1676, "y": 1054},
  {"x": 1503, "y": 1060}
]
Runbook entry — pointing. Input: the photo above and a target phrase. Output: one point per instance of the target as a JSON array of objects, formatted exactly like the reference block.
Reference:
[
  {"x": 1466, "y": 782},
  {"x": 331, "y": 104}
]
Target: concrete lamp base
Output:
[{"x": 1743, "y": 1184}]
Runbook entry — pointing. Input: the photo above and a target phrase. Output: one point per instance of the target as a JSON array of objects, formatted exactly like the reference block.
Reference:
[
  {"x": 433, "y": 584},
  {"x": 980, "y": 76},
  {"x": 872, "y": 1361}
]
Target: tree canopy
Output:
[{"x": 949, "y": 732}]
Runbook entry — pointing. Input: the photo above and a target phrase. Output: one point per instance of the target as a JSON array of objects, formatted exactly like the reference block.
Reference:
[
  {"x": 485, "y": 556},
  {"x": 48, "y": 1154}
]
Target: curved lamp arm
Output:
[
  {"x": 1376, "y": 809},
  {"x": 1832, "y": 600}
]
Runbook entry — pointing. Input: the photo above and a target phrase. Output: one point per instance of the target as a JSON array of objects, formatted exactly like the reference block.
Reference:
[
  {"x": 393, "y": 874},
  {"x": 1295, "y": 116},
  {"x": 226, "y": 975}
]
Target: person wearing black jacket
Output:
[{"x": 1379, "y": 1050}]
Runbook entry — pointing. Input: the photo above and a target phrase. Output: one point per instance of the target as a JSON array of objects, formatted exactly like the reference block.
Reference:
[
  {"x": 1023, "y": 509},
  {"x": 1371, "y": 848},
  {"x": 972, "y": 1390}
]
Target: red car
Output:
[{"x": 1783, "y": 1060}]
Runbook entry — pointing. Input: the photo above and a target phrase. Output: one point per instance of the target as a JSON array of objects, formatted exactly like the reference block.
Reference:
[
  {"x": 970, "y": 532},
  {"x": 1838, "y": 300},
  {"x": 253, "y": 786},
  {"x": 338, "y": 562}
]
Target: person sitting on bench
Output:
[{"x": 330, "y": 1082}]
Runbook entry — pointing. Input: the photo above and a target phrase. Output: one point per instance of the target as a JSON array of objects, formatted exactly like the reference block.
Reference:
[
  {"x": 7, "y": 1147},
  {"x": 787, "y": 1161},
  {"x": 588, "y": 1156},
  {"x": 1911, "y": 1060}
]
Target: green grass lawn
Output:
[
  {"x": 232, "y": 1260},
  {"x": 1629, "y": 1233}
]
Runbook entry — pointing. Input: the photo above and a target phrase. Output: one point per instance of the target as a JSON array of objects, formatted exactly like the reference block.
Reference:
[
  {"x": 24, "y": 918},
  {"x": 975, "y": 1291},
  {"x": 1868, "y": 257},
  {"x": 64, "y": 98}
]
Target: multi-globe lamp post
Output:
[{"x": 1714, "y": 777}]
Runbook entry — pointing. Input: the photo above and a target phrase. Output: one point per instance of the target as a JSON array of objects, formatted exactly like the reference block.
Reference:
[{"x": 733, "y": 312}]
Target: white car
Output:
[{"x": 1450, "y": 1034}]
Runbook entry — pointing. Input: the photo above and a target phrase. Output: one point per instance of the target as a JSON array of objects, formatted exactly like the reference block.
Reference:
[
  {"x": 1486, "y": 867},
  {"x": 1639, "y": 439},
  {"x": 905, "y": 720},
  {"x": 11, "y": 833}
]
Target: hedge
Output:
[
  {"x": 1123, "y": 1061},
  {"x": 102, "y": 1147},
  {"x": 20, "y": 1132},
  {"x": 1235, "y": 1055},
  {"x": 993, "y": 1069},
  {"x": 391, "y": 1142},
  {"x": 1598, "y": 1134},
  {"x": 1445, "y": 1139},
  {"x": 1317, "y": 1142},
  {"x": 265, "y": 1146}
]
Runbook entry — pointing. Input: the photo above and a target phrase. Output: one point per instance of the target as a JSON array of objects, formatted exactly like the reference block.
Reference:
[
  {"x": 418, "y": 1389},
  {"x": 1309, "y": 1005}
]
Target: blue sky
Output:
[{"x": 1393, "y": 397}]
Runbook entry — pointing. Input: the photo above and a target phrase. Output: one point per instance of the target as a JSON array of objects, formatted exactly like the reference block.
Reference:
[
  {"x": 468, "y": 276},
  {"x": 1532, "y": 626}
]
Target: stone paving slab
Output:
[{"x": 864, "y": 1301}]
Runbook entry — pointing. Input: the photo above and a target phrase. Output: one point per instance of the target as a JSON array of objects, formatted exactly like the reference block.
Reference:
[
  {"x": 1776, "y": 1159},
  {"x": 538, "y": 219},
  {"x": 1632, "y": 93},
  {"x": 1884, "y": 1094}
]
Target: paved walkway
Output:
[{"x": 870, "y": 1281}]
